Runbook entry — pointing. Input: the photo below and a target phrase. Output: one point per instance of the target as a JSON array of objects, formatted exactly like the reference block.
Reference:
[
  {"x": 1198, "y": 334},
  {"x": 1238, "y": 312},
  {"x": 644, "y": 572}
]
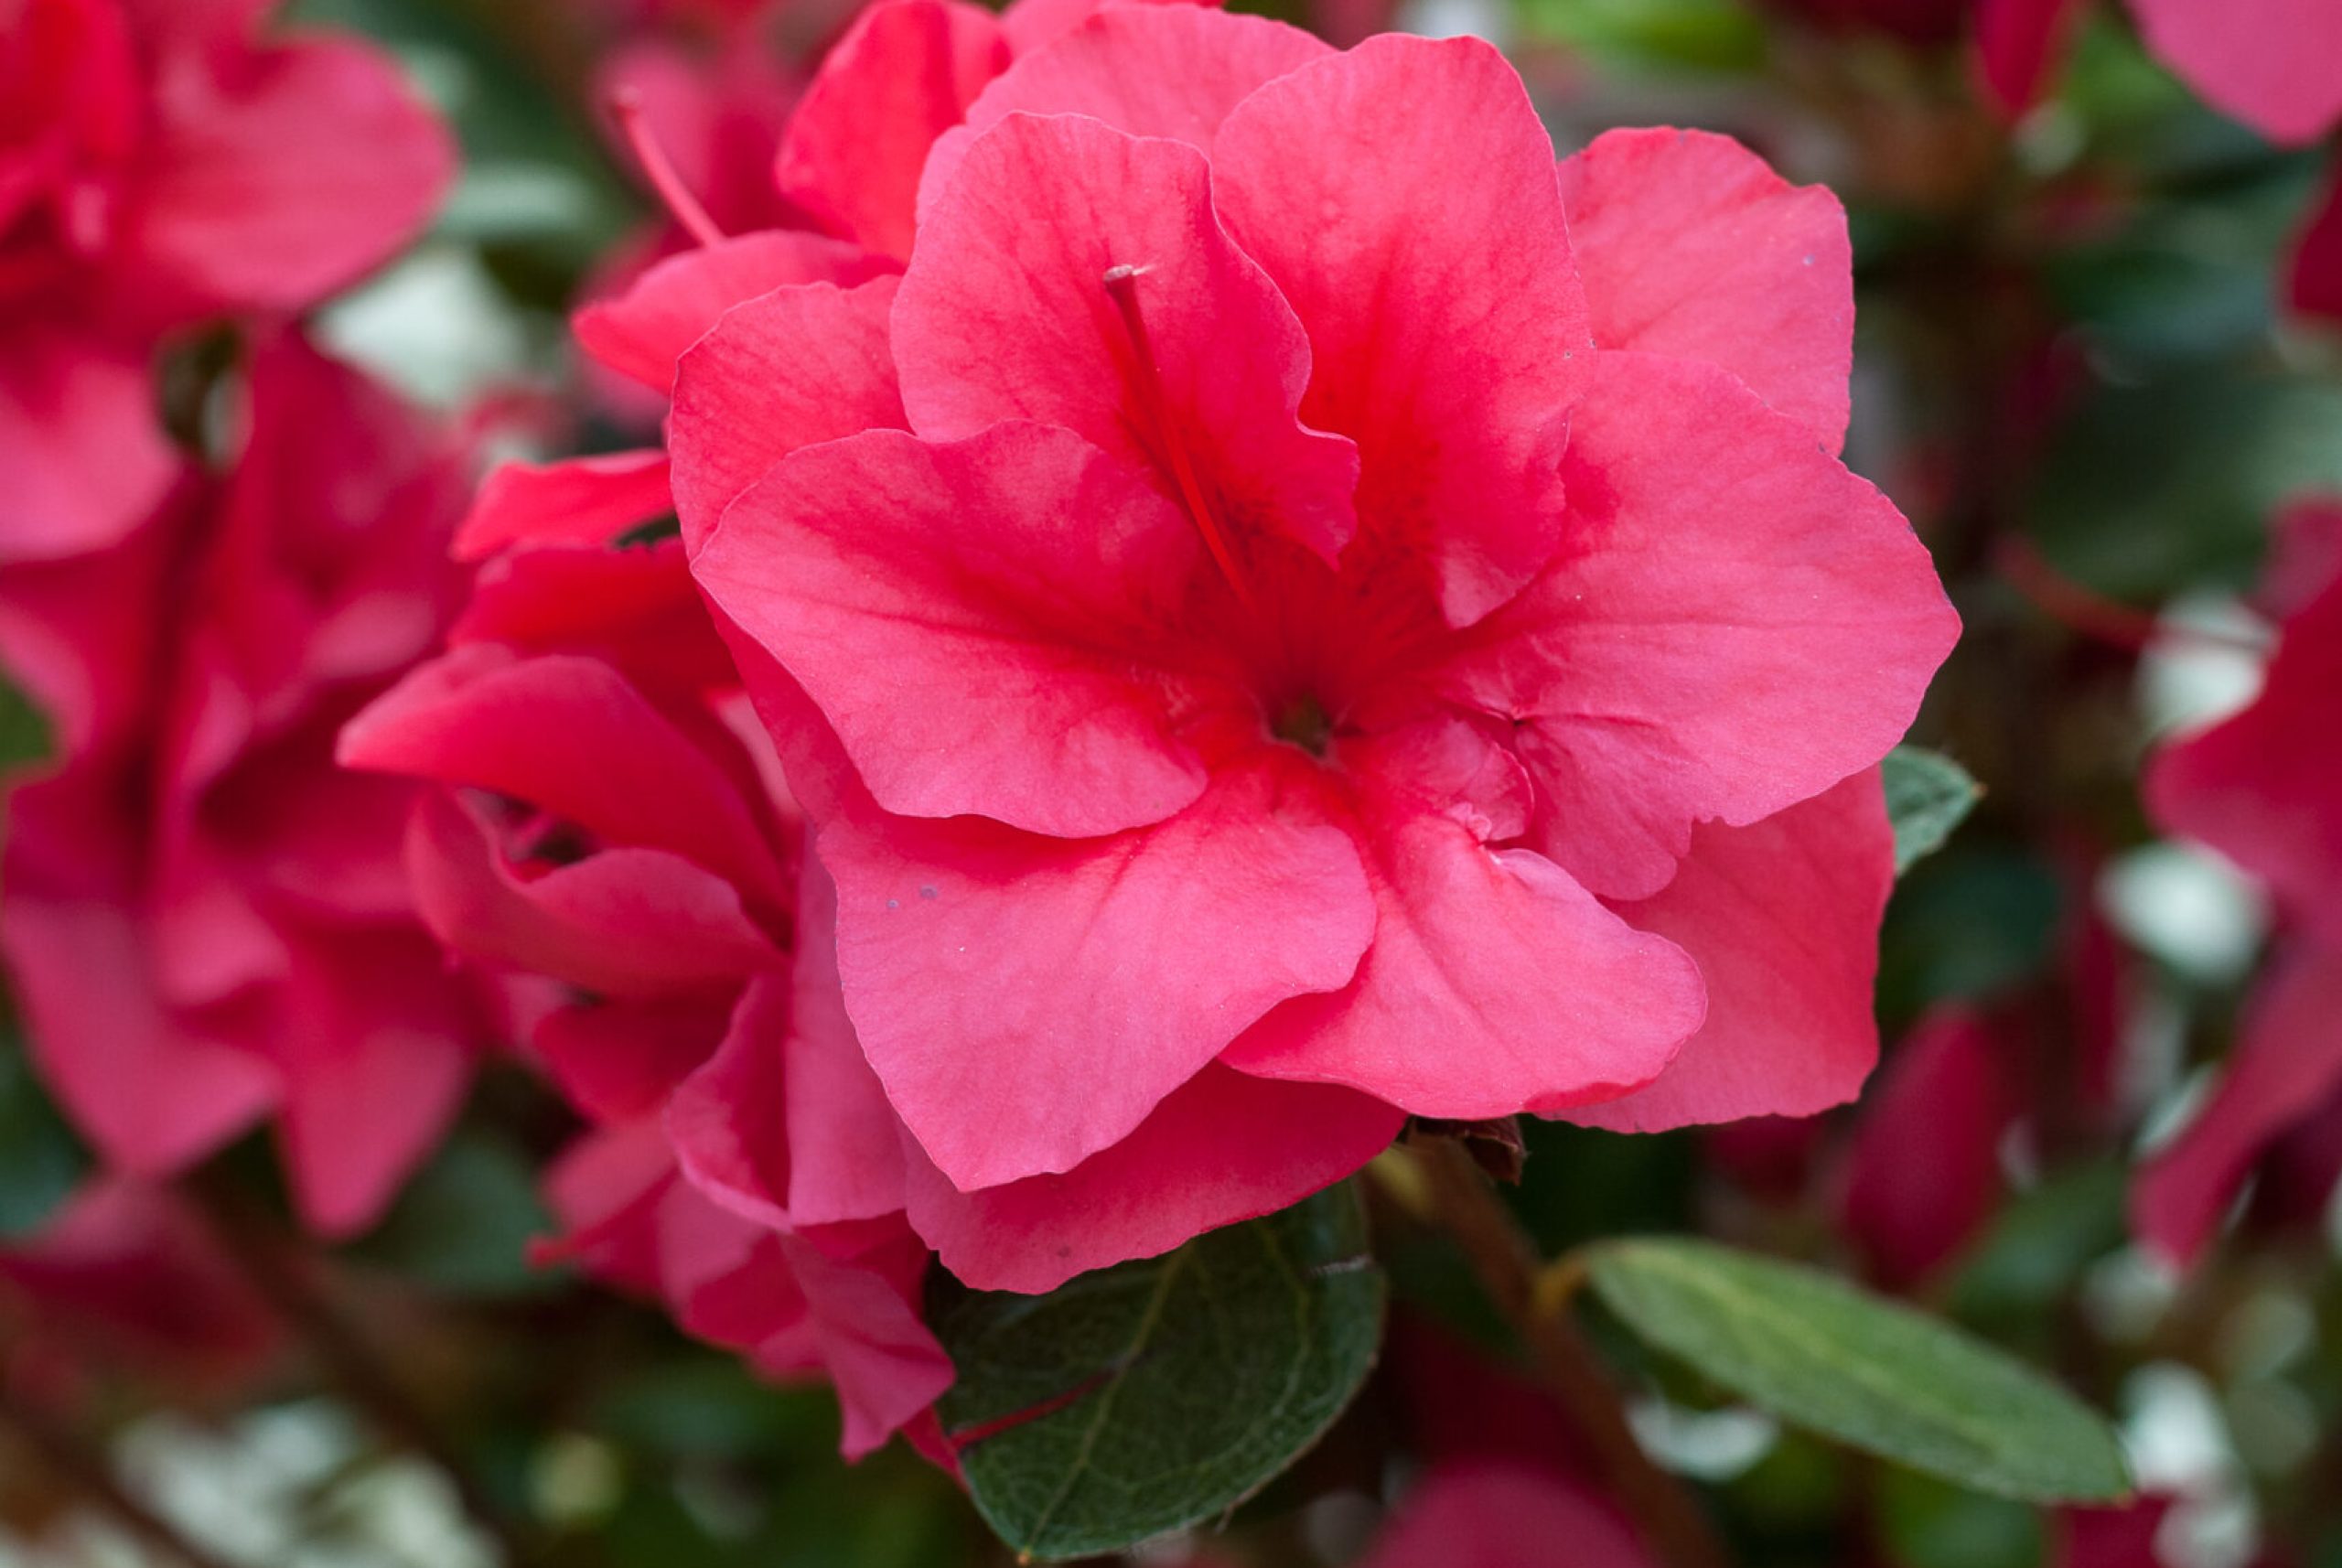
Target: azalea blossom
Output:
[
  {"x": 606, "y": 817},
  {"x": 2264, "y": 788},
  {"x": 207, "y": 922},
  {"x": 160, "y": 164},
  {"x": 1279, "y": 629}
]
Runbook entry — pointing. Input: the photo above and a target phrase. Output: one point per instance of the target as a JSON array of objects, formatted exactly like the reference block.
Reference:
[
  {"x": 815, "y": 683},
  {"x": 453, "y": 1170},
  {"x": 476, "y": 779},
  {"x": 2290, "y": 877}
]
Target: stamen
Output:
[
  {"x": 1121, "y": 286},
  {"x": 627, "y": 104}
]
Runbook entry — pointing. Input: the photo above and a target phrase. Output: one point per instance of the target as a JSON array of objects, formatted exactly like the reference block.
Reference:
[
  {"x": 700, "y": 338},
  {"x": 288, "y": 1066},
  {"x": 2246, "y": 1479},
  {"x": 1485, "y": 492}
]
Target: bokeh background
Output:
[{"x": 2076, "y": 372}]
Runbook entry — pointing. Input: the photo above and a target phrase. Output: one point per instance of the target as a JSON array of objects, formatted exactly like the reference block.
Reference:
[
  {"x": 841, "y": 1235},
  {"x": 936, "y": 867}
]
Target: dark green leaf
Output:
[
  {"x": 464, "y": 1223},
  {"x": 40, "y": 1160},
  {"x": 1139, "y": 1398},
  {"x": 1867, "y": 1372},
  {"x": 1927, "y": 795}
]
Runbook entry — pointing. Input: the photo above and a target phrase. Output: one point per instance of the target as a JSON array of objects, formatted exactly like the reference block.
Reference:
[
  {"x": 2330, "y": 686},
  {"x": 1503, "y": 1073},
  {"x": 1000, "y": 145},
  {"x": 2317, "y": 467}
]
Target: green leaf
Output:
[
  {"x": 1867, "y": 1372},
  {"x": 1149, "y": 1396},
  {"x": 464, "y": 1223},
  {"x": 40, "y": 1160},
  {"x": 1927, "y": 795}
]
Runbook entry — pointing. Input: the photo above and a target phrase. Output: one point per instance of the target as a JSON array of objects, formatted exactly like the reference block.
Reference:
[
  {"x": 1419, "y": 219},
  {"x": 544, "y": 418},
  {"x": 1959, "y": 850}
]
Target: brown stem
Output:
[
  {"x": 84, "y": 1469},
  {"x": 353, "y": 1365},
  {"x": 1672, "y": 1519}
]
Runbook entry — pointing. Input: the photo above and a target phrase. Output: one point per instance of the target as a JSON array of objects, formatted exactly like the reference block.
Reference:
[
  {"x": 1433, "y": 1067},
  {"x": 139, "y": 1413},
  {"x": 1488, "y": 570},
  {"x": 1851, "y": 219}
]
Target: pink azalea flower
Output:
[
  {"x": 2264, "y": 788},
  {"x": 1277, "y": 630},
  {"x": 159, "y": 164},
  {"x": 206, "y": 921},
  {"x": 606, "y": 817}
]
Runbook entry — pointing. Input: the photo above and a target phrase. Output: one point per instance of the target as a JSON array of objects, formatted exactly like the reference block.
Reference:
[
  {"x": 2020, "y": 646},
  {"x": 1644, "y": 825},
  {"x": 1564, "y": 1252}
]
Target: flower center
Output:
[
  {"x": 1122, "y": 287},
  {"x": 1302, "y": 721}
]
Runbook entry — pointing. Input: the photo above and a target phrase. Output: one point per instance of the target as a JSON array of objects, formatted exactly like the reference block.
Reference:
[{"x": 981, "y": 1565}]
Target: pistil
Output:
[
  {"x": 1122, "y": 287},
  {"x": 656, "y": 167}
]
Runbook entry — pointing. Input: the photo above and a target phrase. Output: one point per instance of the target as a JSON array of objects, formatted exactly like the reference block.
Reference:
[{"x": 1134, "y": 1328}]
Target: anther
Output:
[
  {"x": 627, "y": 104},
  {"x": 1122, "y": 287}
]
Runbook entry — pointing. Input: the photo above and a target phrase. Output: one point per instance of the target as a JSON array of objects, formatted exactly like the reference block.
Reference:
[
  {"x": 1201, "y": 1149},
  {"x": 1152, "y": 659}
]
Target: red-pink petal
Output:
[
  {"x": 2020, "y": 44},
  {"x": 645, "y": 329},
  {"x": 1495, "y": 983},
  {"x": 1221, "y": 1148},
  {"x": 787, "y": 370},
  {"x": 2287, "y": 1063},
  {"x": 2270, "y": 63},
  {"x": 1687, "y": 655},
  {"x": 624, "y": 922},
  {"x": 1028, "y": 1001},
  {"x": 1004, "y": 315},
  {"x": 2313, "y": 275},
  {"x": 1495, "y": 1514},
  {"x": 635, "y": 607},
  {"x": 1782, "y": 917},
  {"x": 1690, "y": 245},
  {"x": 903, "y": 75},
  {"x": 976, "y": 619},
  {"x": 289, "y": 178},
  {"x": 1403, "y": 198},
  {"x": 376, "y": 1047},
  {"x": 580, "y": 500},
  {"x": 152, "y": 1093},
  {"x": 571, "y": 737},
  {"x": 618, "y": 1060},
  {"x": 2260, "y": 787},
  {"x": 1923, "y": 1175},
  {"x": 85, "y": 457},
  {"x": 1146, "y": 69}
]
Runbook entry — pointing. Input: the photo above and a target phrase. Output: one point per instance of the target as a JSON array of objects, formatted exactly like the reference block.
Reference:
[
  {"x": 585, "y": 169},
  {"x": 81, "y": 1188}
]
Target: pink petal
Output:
[
  {"x": 1691, "y": 246},
  {"x": 581, "y": 500},
  {"x": 1170, "y": 71},
  {"x": 645, "y": 329},
  {"x": 1494, "y": 1514},
  {"x": 1782, "y": 917},
  {"x": 1221, "y": 1148},
  {"x": 618, "y": 1060},
  {"x": 846, "y": 1135},
  {"x": 1004, "y": 315},
  {"x": 636, "y": 608},
  {"x": 902, "y": 76},
  {"x": 1687, "y": 655},
  {"x": 787, "y": 1125},
  {"x": 1923, "y": 1175},
  {"x": 2020, "y": 45},
  {"x": 2286, "y": 1064},
  {"x": 152, "y": 1093},
  {"x": 1495, "y": 983},
  {"x": 1403, "y": 197},
  {"x": 976, "y": 619},
  {"x": 624, "y": 923},
  {"x": 2261, "y": 787},
  {"x": 2270, "y": 63},
  {"x": 870, "y": 1337},
  {"x": 376, "y": 1047},
  {"x": 312, "y": 165},
  {"x": 787, "y": 370},
  {"x": 1031, "y": 25},
  {"x": 572, "y": 739},
  {"x": 1028, "y": 1001},
  {"x": 85, "y": 459}
]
